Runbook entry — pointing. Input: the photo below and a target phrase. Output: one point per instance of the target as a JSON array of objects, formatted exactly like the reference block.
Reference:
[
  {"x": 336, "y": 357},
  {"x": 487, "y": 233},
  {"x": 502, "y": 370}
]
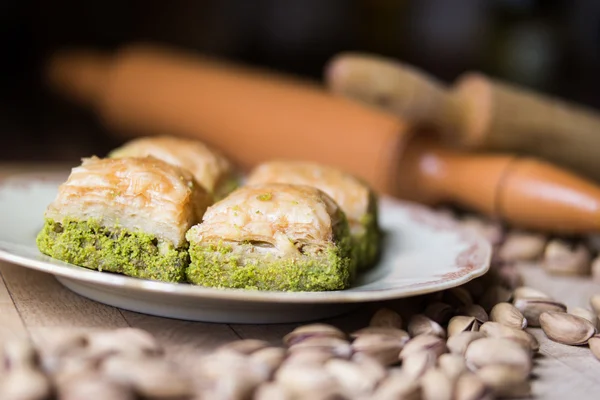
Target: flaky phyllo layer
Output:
[
  {"x": 210, "y": 168},
  {"x": 354, "y": 197},
  {"x": 272, "y": 237},
  {"x": 127, "y": 215}
]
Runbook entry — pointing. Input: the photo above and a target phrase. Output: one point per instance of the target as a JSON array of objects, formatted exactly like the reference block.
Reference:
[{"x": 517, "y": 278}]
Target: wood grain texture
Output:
[
  {"x": 11, "y": 325},
  {"x": 43, "y": 302}
]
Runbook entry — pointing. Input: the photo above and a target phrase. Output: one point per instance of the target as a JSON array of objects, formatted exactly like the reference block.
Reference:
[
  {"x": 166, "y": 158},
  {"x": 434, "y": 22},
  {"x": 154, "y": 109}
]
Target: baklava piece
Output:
[
  {"x": 356, "y": 199},
  {"x": 126, "y": 215},
  {"x": 273, "y": 237},
  {"x": 210, "y": 168}
]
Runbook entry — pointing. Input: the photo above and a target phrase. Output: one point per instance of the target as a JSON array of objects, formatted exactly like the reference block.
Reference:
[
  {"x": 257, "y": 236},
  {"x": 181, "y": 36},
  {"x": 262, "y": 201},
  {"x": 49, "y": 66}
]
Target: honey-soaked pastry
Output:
[
  {"x": 356, "y": 199},
  {"x": 126, "y": 215},
  {"x": 274, "y": 237},
  {"x": 210, "y": 168}
]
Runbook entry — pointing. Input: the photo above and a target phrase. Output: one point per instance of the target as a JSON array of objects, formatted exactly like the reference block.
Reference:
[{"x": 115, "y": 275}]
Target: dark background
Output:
[{"x": 550, "y": 45}]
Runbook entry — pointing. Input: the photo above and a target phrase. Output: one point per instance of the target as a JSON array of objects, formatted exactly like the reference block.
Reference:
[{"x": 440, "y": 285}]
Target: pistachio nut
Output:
[
  {"x": 439, "y": 312},
  {"x": 470, "y": 387},
  {"x": 420, "y": 324},
  {"x": 458, "y": 343},
  {"x": 533, "y": 308},
  {"x": 337, "y": 347},
  {"x": 393, "y": 333},
  {"x": 526, "y": 292},
  {"x": 383, "y": 348},
  {"x": 421, "y": 343},
  {"x": 566, "y": 328},
  {"x": 585, "y": 314},
  {"x": 351, "y": 377},
  {"x": 509, "y": 315},
  {"x": 493, "y": 295},
  {"x": 246, "y": 346},
  {"x": 522, "y": 246},
  {"x": 595, "y": 303},
  {"x": 562, "y": 258},
  {"x": 524, "y": 338},
  {"x": 386, "y": 318},
  {"x": 416, "y": 364},
  {"x": 594, "y": 343},
  {"x": 312, "y": 330},
  {"x": 461, "y": 323},
  {"x": 397, "y": 386},
  {"x": 491, "y": 351},
  {"x": 453, "y": 365},
  {"x": 474, "y": 310},
  {"x": 505, "y": 381},
  {"x": 435, "y": 385}
]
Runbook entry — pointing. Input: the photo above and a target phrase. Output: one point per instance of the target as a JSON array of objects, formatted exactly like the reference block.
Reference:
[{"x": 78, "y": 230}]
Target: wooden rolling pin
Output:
[
  {"x": 253, "y": 117},
  {"x": 476, "y": 113}
]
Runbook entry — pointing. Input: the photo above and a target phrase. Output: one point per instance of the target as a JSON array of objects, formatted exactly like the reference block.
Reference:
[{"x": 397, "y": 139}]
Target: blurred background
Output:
[{"x": 550, "y": 45}]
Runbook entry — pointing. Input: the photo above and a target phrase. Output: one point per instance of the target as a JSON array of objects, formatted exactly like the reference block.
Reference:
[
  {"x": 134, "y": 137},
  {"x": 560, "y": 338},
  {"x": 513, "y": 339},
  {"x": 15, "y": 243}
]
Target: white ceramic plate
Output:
[{"x": 423, "y": 252}]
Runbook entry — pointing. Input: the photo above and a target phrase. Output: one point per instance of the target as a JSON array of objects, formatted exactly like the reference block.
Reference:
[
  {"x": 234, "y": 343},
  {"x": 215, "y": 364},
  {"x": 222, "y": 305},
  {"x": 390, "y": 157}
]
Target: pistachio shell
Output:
[
  {"x": 594, "y": 343},
  {"x": 420, "y": 324},
  {"x": 526, "y": 292},
  {"x": 397, "y": 386},
  {"x": 337, "y": 347},
  {"x": 424, "y": 343},
  {"x": 462, "y": 323},
  {"x": 561, "y": 258},
  {"x": 393, "y": 333},
  {"x": 491, "y": 351},
  {"x": 470, "y": 387},
  {"x": 509, "y": 315},
  {"x": 532, "y": 308},
  {"x": 416, "y": 364},
  {"x": 383, "y": 348},
  {"x": 436, "y": 385},
  {"x": 458, "y": 343},
  {"x": 522, "y": 246},
  {"x": 453, "y": 365},
  {"x": 312, "y": 330},
  {"x": 272, "y": 391},
  {"x": 524, "y": 338},
  {"x": 566, "y": 328},
  {"x": 386, "y": 318},
  {"x": 505, "y": 381},
  {"x": 585, "y": 314},
  {"x": 474, "y": 310},
  {"x": 351, "y": 377}
]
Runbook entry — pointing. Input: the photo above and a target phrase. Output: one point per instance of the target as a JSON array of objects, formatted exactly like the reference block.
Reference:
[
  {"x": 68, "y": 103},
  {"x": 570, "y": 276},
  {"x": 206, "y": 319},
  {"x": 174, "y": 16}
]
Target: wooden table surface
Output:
[{"x": 34, "y": 303}]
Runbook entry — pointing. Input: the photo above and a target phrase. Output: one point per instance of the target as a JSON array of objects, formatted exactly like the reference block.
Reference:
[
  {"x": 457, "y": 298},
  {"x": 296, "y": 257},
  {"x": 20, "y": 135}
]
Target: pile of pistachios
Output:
[
  {"x": 466, "y": 343},
  {"x": 576, "y": 256}
]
